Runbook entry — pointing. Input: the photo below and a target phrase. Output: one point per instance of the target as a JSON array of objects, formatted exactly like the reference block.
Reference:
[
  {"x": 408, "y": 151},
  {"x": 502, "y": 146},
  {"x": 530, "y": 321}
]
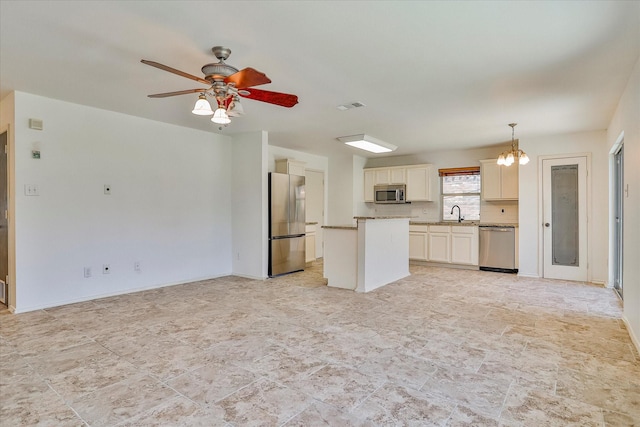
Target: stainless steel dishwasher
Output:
[{"x": 498, "y": 249}]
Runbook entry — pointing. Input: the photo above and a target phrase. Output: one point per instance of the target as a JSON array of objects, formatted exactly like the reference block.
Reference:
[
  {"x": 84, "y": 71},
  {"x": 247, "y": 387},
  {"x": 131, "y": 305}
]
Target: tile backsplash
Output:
[
  {"x": 419, "y": 211},
  {"x": 503, "y": 212},
  {"x": 490, "y": 212}
]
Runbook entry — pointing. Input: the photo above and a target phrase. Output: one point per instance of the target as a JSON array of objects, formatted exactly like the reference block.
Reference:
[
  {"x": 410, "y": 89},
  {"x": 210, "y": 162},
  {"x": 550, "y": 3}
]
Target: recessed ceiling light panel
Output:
[{"x": 367, "y": 143}]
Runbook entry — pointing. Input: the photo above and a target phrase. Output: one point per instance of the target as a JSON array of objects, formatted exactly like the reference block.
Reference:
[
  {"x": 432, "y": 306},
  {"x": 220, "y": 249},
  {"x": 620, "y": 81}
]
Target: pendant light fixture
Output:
[{"x": 507, "y": 158}]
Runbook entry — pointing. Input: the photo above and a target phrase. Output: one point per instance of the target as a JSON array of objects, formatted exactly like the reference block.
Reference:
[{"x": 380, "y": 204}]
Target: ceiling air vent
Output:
[{"x": 345, "y": 107}]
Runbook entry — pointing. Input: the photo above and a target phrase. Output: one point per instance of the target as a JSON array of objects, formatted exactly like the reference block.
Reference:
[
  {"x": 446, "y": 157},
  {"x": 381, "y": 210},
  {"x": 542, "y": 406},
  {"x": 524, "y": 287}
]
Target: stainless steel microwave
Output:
[{"x": 390, "y": 193}]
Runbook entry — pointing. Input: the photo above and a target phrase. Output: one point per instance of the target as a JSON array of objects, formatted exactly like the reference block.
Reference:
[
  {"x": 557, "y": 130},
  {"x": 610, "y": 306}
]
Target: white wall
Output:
[
  {"x": 530, "y": 205},
  {"x": 249, "y": 200},
  {"x": 627, "y": 119},
  {"x": 341, "y": 190},
  {"x": 359, "y": 208},
  {"x": 312, "y": 161},
  {"x": 165, "y": 210}
]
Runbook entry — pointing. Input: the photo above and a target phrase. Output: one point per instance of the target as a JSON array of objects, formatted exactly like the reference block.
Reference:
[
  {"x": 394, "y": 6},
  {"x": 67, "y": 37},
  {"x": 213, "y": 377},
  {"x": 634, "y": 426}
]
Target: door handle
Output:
[{"x": 546, "y": 224}]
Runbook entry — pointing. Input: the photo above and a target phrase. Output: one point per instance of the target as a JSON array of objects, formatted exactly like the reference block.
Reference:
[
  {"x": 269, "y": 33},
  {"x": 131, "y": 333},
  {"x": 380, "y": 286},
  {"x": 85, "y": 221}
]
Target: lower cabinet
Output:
[
  {"x": 464, "y": 245},
  {"x": 439, "y": 238},
  {"x": 310, "y": 243},
  {"x": 418, "y": 242},
  {"x": 444, "y": 244}
]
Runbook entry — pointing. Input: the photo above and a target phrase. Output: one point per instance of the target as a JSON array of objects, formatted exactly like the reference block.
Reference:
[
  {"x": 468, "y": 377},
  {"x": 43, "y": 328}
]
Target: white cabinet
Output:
[
  {"x": 418, "y": 242},
  {"x": 498, "y": 182},
  {"x": 439, "y": 239},
  {"x": 416, "y": 177},
  {"x": 310, "y": 243},
  {"x": 419, "y": 183},
  {"x": 464, "y": 245},
  {"x": 369, "y": 179},
  {"x": 444, "y": 244},
  {"x": 290, "y": 166},
  {"x": 395, "y": 175},
  {"x": 380, "y": 176}
]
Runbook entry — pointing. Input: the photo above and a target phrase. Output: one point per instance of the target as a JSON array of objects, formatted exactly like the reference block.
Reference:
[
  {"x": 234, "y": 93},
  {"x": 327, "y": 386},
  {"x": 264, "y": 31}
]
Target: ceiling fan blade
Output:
[
  {"x": 247, "y": 77},
  {"x": 180, "y": 92},
  {"x": 174, "y": 71},
  {"x": 277, "y": 98}
]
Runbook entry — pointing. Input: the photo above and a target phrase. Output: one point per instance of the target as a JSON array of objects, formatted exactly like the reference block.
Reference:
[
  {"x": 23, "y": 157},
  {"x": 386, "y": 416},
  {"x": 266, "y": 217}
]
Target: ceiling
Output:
[{"x": 433, "y": 75}]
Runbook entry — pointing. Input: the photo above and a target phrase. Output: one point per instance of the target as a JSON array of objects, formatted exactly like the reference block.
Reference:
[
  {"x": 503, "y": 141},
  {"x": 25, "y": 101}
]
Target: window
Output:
[{"x": 460, "y": 186}]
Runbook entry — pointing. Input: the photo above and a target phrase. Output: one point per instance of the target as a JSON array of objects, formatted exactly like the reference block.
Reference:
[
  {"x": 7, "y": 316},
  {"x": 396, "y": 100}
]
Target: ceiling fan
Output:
[{"x": 225, "y": 85}]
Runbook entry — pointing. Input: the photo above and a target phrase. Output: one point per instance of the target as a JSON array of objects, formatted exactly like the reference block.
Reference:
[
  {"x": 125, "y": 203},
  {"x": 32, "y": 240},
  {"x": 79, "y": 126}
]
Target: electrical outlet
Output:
[
  {"x": 106, "y": 269},
  {"x": 136, "y": 267},
  {"x": 87, "y": 272},
  {"x": 31, "y": 190},
  {"x": 107, "y": 189}
]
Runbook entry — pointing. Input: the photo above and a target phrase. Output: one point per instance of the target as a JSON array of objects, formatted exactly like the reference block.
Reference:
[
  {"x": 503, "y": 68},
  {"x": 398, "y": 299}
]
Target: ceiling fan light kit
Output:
[
  {"x": 202, "y": 107},
  {"x": 367, "y": 143},
  {"x": 226, "y": 85},
  {"x": 220, "y": 117},
  {"x": 508, "y": 158}
]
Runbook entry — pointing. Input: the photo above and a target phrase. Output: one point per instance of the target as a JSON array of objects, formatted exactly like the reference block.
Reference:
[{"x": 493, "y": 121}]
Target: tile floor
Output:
[{"x": 442, "y": 347}]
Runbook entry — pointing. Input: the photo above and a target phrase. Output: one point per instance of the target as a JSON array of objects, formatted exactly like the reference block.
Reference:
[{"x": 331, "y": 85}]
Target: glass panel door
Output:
[
  {"x": 564, "y": 215},
  {"x": 618, "y": 195},
  {"x": 564, "y": 221}
]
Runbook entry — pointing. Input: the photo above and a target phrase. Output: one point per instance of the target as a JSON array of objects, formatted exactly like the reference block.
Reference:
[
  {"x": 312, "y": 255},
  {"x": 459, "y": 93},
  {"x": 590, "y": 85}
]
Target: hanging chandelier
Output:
[{"x": 507, "y": 158}]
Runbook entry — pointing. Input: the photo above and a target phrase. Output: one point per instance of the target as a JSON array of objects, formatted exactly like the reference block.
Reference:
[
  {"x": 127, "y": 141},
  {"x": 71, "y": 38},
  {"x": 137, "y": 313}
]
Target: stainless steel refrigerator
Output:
[{"x": 286, "y": 223}]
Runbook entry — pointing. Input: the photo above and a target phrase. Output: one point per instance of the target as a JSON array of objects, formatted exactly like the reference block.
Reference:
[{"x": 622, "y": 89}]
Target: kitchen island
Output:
[{"x": 368, "y": 255}]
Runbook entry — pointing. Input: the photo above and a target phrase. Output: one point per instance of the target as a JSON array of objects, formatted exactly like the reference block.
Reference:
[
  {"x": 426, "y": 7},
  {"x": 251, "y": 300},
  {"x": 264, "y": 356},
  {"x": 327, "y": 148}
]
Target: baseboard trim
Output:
[
  {"x": 13, "y": 309},
  {"x": 530, "y": 276},
  {"x": 442, "y": 264},
  {"x": 634, "y": 339}
]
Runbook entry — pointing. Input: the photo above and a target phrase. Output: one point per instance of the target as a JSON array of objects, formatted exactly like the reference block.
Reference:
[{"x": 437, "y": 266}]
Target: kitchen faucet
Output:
[{"x": 459, "y": 217}]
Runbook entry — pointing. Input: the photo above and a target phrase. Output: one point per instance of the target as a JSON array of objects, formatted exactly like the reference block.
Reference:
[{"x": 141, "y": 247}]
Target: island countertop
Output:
[
  {"x": 341, "y": 227},
  {"x": 361, "y": 218},
  {"x": 463, "y": 223},
  {"x": 382, "y": 217}
]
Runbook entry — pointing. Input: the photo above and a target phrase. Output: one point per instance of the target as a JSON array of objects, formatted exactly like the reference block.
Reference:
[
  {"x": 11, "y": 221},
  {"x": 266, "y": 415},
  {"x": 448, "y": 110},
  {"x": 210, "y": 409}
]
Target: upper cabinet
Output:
[
  {"x": 498, "y": 182},
  {"x": 395, "y": 175},
  {"x": 419, "y": 183},
  {"x": 416, "y": 177},
  {"x": 369, "y": 182},
  {"x": 290, "y": 166}
]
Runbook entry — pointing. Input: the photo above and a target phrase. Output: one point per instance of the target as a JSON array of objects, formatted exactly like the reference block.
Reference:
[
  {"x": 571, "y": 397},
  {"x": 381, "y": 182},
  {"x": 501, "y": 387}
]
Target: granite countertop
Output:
[
  {"x": 364, "y": 218},
  {"x": 463, "y": 223},
  {"x": 383, "y": 217},
  {"x": 341, "y": 227}
]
